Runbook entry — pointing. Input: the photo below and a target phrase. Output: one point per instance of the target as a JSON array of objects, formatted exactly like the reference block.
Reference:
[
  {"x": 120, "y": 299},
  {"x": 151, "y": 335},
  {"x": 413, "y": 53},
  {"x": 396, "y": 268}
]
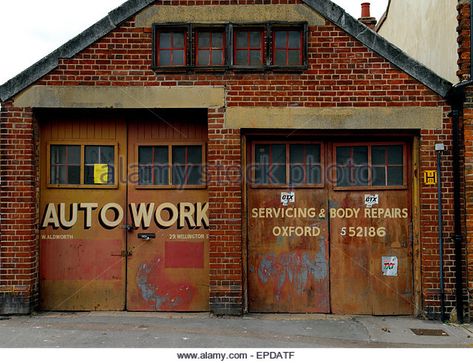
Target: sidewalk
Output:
[{"x": 163, "y": 330}]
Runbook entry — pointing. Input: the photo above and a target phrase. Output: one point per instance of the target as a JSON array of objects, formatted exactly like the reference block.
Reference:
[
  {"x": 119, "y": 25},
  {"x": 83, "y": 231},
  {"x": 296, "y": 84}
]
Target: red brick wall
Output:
[
  {"x": 342, "y": 73},
  {"x": 464, "y": 56},
  {"x": 18, "y": 238}
]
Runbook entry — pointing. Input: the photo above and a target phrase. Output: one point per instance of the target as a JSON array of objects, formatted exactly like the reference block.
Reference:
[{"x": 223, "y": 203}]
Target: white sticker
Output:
[
  {"x": 389, "y": 265},
  {"x": 288, "y": 197},
  {"x": 371, "y": 200}
]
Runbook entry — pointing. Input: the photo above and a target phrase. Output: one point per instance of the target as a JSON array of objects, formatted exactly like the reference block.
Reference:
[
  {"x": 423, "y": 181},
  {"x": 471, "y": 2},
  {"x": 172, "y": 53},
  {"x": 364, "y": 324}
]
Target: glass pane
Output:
[
  {"x": 360, "y": 176},
  {"x": 164, "y": 57},
  {"x": 295, "y": 39},
  {"x": 313, "y": 154},
  {"x": 241, "y": 57},
  {"x": 165, "y": 40},
  {"x": 294, "y": 58},
  {"x": 204, "y": 40},
  {"x": 161, "y": 175},
  {"x": 92, "y": 155},
  {"x": 378, "y": 155},
  {"x": 261, "y": 174},
  {"x": 278, "y": 174},
  {"x": 279, "y": 154},
  {"x": 194, "y": 154},
  {"x": 242, "y": 39},
  {"x": 255, "y": 40},
  {"x": 297, "y": 174},
  {"x": 89, "y": 174},
  {"x": 379, "y": 176},
  {"x": 217, "y": 58},
  {"x": 313, "y": 175},
  {"x": 281, "y": 37},
  {"x": 255, "y": 58},
  {"x": 144, "y": 175},
  {"x": 178, "y": 39},
  {"x": 178, "y": 58},
  {"x": 178, "y": 154},
  {"x": 178, "y": 174},
  {"x": 262, "y": 154},
  {"x": 395, "y": 155},
  {"x": 280, "y": 57},
  {"x": 395, "y": 175},
  {"x": 195, "y": 175},
  {"x": 296, "y": 154},
  {"x": 73, "y": 174},
  {"x": 203, "y": 57},
  {"x": 343, "y": 155},
  {"x": 360, "y": 155},
  {"x": 342, "y": 176},
  {"x": 161, "y": 155},
  {"x": 107, "y": 155},
  {"x": 217, "y": 40},
  {"x": 58, "y": 154},
  {"x": 145, "y": 155},
  {"x": 73, "y": 154}
]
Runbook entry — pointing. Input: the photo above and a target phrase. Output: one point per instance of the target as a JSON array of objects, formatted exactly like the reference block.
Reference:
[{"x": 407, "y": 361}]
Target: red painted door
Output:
[{"x": 168, "y": 213}]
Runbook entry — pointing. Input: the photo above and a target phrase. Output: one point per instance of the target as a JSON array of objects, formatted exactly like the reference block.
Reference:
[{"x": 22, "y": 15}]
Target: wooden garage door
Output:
[{"x": 124, "y": 212}]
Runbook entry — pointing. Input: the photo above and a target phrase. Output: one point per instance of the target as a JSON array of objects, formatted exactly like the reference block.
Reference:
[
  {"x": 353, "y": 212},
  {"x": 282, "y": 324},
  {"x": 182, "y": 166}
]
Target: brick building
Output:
[{"x": 261, "y": 156}]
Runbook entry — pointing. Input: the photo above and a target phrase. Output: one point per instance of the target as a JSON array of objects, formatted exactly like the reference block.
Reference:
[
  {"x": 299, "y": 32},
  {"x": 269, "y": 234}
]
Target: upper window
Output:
[
  {"x": 249, "y": 48},
  {"x": 210, "y": 48},
  {"x": 171, "y": 48},
  {"x": 370, "y": 166},
  {"x": 287, "y": 48},
  {"x": 217, "y": 47}
]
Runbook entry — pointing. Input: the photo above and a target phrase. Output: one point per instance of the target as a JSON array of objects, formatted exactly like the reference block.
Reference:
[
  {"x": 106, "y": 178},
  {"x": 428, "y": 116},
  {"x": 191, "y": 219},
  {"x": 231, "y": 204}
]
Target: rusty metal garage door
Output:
[
  {"x": 288, "y": 269},
  {"x": 312, "y": 205},
  {"x": 123, "y": 211}
]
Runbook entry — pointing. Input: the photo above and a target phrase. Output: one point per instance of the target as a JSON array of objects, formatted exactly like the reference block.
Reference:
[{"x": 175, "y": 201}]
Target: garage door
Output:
[
  {"x": 329, "y": 227},
  {"x": 124, "y": 216}
]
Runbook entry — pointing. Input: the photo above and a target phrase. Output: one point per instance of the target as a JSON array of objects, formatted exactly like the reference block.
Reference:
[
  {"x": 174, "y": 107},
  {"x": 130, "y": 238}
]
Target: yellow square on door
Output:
[{"x": 100, "y": 173}]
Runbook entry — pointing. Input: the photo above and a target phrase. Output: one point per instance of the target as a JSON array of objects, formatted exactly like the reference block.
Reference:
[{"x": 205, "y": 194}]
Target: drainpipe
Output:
[
  {"x": 456, "y": 98},
  {"x": 438, "y": 149}
]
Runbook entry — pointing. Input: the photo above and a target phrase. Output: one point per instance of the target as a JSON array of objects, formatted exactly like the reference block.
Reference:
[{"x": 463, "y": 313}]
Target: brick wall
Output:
[
  {"x": 464, "y": 56},
  {"x": 342, "y": 73},
  {"x": 18, "y": 239}
]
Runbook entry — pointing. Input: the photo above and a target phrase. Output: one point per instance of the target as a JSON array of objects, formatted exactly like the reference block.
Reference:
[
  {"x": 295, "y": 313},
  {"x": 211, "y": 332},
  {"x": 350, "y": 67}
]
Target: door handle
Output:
[
  {"x": 129, "y": 227},
  {"x": 146, "y": 236}
]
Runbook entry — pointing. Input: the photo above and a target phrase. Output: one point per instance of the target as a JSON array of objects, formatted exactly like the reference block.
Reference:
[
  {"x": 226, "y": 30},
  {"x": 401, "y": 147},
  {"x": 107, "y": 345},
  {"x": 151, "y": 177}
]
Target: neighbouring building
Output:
[
  {"x": 426, "y": 30},
  {"x": 230, "y": 157}
]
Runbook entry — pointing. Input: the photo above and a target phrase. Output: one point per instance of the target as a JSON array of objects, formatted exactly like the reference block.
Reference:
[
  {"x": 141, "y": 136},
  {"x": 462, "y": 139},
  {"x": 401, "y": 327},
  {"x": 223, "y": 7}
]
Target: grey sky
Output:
[{"x": 31, "y": 29}]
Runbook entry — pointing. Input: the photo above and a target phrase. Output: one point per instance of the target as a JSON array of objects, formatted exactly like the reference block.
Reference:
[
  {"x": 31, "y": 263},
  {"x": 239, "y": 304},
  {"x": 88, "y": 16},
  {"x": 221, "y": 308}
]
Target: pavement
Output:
[{"x": 172, "y": 330}]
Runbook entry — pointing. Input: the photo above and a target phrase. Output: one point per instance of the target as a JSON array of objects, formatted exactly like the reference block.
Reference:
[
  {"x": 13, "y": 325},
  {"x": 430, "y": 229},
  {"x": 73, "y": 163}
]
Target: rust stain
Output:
[
  {"x": 163, "y": 295},
  {"x": 294, "y": 268}
]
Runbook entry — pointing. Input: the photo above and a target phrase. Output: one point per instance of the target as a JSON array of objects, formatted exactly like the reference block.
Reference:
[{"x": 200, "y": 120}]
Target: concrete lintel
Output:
[
  {"x": 121, "y": 97},
  {"x": 228, "y": 14},
  {"x": 343, "y": 118}
]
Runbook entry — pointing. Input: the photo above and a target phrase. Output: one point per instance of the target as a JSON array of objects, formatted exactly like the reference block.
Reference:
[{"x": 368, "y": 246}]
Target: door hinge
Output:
[{"x": 123, "y": 254}]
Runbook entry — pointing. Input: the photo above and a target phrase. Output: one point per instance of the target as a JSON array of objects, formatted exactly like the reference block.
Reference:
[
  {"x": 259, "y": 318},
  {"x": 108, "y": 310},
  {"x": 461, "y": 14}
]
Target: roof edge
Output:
[
  {"x": 71, "y": 48},
  {"x": 380, "y": 45},
  {"x": 326, "y": 8}
]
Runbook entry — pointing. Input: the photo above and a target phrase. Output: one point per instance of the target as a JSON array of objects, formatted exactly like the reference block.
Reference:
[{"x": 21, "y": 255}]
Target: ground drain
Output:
[{"x": 430, "y": 332}]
